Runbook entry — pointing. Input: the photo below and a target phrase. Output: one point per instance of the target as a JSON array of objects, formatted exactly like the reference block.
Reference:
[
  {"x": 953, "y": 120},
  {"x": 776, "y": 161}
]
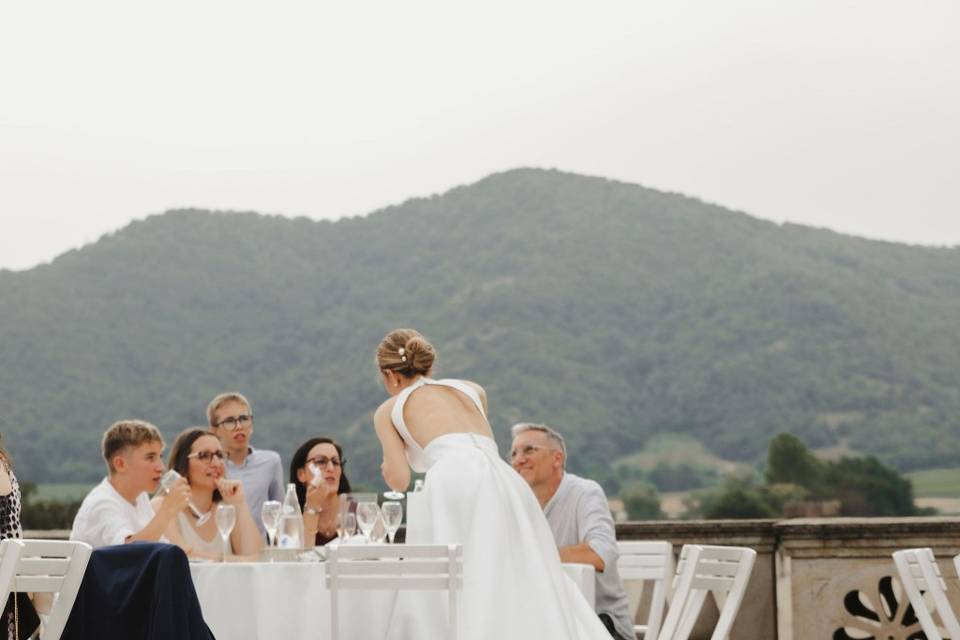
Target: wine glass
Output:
[
  {"x": 167, "y": 480},
  {"x": 226, "y": 518},
  {"x": 367, "y": 514},
  {"x": 349, "y": 526},
  {"x": 270, "y": 514},
  {"x": 392, "y": 516}
]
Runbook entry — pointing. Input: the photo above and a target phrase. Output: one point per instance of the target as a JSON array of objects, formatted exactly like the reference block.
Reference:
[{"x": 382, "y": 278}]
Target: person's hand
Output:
[
  {"x": 316, "y": 496},
  {"x": 231, "y": 490},
  {"x": 177, "y": 497}
]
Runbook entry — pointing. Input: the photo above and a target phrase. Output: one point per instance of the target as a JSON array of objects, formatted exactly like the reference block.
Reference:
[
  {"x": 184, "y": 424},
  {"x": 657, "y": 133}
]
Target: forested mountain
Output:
[{"x": 609, "y": 310}]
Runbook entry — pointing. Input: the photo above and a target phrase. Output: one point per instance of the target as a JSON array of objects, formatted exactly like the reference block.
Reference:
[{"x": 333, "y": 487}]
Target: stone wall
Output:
[{"x": 819, "y": 578}]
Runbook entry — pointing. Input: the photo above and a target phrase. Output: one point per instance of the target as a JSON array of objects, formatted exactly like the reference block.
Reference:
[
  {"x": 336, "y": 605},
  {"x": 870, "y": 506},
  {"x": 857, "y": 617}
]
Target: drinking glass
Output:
[
  {"x": 349, "y": 526},
  {"x": 379, "y": 532},
  {"x": 226, "y": 518},
  {"x": 167, "y": 480},
  {"x": 392, "y": 516},
  {"x": 367, "y": 514},
  {"x": 270, "y": 514}
]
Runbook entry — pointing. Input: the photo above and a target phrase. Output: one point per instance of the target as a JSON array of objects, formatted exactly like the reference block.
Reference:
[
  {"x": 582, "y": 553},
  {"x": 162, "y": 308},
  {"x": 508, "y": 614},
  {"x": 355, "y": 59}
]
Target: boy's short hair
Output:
[
  {"x": 127, "y": 434},
  {"x": 221, "y": 400}
]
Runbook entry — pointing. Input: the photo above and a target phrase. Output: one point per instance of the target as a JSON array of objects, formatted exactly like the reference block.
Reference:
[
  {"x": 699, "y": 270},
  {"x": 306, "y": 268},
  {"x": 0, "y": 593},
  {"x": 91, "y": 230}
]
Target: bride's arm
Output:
[{"x": 396, "y": 471}]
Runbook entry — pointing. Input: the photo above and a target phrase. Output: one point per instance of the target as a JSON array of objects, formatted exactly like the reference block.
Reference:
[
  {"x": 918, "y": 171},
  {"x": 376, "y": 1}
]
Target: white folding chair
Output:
[
  {"x": 53, "y": 566},
  {"x": 648, "y": 561},
  {"x": 723, "y": 571},
  {"x": 394, "y": 566},
  {"x": 919, "y": 573},
  {"x": 10, "y": 550}
]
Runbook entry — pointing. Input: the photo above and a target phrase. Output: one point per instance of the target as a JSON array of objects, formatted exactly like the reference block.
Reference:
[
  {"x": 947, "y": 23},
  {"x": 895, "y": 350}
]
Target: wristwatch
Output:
[{"x": 310, "y": 511}]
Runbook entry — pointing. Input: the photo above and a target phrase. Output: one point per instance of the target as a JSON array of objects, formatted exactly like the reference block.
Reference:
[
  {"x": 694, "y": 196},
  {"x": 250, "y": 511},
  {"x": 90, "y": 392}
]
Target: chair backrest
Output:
[
  {"x": 648, "y": 561},
  {"x": 10, "y": 550},
  {"x": 395, "y": 566},
  {"x": 53, "y": 566},
  {"x": 702, "y": 569},
  {"x": 919, "y": 573}
]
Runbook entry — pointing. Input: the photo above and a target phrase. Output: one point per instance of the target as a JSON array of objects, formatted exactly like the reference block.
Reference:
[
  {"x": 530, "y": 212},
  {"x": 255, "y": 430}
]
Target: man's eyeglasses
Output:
[
  {"x": 323, "y": 461},
  {"x": 207, "y": 456},
  {"x": 525, "y": 451},
  {"x": 231, "y": 423}
]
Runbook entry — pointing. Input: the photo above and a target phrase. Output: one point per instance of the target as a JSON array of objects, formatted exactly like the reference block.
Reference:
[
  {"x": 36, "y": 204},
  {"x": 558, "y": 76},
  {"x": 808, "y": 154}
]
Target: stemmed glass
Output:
[
  {"x": 367, "y": 514},
  {"x": 348, "y": 526},
  {"x": 270, "y": 514},
  {"x": 167, "y": 480},
  {"x": 226, "y": 518},
  {"x": 392, "y": 516}
]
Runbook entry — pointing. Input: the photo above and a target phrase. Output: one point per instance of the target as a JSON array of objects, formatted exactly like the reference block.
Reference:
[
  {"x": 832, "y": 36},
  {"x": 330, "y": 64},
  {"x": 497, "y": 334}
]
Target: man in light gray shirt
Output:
[{"x": 579, "y": 517}]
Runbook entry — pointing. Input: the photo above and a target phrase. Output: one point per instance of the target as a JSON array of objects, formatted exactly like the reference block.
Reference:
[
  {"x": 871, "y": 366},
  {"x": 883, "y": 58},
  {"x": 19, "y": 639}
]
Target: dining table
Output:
[{"x": 290, "y": 600}]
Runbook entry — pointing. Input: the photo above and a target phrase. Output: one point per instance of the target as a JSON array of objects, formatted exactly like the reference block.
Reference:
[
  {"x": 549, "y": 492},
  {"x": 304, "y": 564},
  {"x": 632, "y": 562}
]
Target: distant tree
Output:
[
  {"x": 790, "y": 462},
  {"x": 641, "y": 502},
  {"x": 866, "y": 487},
  {"x": 675, "y": 477}
]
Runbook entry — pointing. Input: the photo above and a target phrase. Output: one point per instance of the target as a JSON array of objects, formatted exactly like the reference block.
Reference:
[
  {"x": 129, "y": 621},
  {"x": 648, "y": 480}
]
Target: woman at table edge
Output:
[
  {"x": 197, "y": 455},
  {"x": 320, "y": 501}
]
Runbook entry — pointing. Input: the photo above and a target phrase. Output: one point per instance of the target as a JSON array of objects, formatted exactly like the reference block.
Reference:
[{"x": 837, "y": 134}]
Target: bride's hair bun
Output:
[{"x": 406, "y": 352}]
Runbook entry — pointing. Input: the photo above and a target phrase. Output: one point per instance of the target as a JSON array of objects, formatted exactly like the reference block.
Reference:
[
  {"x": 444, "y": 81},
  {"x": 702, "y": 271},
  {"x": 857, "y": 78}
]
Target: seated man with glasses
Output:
[
  {"x": 259, "y": 470},
  {"x": 579, "y": 517}
]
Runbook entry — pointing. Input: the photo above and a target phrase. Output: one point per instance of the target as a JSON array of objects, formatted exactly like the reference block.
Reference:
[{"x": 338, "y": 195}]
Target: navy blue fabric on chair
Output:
[{"x": 139, "y": 590}]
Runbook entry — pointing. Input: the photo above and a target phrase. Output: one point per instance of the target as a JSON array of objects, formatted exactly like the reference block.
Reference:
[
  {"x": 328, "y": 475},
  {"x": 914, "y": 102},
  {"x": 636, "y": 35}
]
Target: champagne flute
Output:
[
  {"x": 270, "y": 514},
  {"x": 349, "y": 525},
  {"x": 392, "y": 516},
  {"x": 226, "y": 519},
  {"x": 367, "y": 514},
  {"x": 167, "y": 480}
]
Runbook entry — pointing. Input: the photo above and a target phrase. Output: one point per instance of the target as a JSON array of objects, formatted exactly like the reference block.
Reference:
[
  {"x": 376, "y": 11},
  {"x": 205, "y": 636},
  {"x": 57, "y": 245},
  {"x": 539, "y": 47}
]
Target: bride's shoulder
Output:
[
  {"x": 476, "y": 387},
  {"x": 385, "y": 408}
]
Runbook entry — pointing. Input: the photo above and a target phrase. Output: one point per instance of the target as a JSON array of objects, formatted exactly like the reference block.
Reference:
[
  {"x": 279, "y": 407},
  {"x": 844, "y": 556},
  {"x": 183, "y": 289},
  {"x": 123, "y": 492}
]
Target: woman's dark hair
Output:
[
  {"x": 180, "y": 449},
  {"x": 300, "y": 460}
]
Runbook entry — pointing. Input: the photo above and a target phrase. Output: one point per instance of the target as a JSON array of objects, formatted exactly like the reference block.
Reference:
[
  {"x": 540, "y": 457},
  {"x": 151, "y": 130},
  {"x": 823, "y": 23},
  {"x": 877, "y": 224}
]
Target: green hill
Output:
[{"x": 609, "y": 310}]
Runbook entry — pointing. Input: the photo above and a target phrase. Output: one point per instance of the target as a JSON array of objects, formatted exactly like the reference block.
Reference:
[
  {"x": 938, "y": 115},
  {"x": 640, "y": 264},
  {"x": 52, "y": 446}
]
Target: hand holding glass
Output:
[
  {"x": 226, "y": 518},
  {"x": 270, "y": 514},
  {"x": 167, "y": 480}
]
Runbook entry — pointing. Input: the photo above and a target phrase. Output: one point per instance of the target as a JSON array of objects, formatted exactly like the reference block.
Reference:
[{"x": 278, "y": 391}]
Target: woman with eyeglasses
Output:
[
  {"x": 317, "y": 472},
  {"x": 198, "y": 456}
]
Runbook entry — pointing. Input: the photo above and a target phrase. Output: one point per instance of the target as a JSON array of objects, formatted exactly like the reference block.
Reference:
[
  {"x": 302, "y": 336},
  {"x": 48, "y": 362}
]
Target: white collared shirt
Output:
[{"x": 106, "y": 518}]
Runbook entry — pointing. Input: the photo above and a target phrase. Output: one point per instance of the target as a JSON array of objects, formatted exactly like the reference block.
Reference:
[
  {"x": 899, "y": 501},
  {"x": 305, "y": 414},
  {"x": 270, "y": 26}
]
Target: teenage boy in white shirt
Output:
[{"x": 118, "y": 509}]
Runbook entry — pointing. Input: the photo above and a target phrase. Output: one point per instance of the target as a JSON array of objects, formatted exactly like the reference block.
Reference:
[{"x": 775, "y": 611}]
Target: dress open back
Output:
[{"x": 514, "y": 586}]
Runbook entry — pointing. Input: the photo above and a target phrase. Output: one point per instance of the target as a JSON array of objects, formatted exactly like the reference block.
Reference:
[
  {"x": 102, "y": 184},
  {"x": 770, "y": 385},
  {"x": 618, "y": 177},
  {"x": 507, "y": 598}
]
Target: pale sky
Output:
[{"x": 830, "y": 113}]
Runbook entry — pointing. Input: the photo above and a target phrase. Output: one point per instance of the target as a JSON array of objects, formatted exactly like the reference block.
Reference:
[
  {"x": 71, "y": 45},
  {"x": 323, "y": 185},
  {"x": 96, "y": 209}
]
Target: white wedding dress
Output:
[{"x": 513, "y": 584}]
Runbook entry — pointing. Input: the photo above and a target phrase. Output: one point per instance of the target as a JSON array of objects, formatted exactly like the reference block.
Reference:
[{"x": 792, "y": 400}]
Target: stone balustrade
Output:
[{"x": 819, "y": 578}]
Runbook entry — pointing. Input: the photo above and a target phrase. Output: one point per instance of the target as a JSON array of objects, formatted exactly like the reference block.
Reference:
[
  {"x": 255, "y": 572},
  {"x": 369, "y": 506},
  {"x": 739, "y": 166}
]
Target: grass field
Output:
[
  {"x": 675, "y": 450},
  {"x": 936, "y": 483}
]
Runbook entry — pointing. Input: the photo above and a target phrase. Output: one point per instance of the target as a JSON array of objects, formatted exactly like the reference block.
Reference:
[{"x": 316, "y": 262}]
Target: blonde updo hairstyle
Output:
[{"x": 406, "y": 352}]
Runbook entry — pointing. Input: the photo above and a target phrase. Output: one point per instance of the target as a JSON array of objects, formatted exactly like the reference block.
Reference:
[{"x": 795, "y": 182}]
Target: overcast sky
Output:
[{"x": 825, "y": 112}]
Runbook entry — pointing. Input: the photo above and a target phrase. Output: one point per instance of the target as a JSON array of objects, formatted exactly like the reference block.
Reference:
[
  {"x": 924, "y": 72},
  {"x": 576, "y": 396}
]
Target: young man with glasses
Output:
[
  {"x": 579, "y": 517},
  {"x": 259, "y": 470}
]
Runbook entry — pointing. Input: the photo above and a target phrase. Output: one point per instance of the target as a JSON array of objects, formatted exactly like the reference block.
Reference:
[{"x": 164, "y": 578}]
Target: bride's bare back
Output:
[{"x": 435, "y": 410}]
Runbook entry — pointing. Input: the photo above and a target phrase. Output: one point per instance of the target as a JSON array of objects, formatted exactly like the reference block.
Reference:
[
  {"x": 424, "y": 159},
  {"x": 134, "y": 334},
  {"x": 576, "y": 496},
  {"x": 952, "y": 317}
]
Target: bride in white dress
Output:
[{"x": 513, "y": 582}]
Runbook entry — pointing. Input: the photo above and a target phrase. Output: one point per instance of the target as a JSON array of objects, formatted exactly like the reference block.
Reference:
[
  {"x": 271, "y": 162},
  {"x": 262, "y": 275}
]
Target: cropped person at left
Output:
[
  {"x": 118, "y": 509},
  {"x": 579, "y": 517},
  {"x": 259, "y": 470}
]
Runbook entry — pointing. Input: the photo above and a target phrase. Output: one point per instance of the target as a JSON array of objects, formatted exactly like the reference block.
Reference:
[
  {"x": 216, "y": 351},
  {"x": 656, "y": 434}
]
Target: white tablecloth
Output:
[{"x": 289, "y": 600}]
